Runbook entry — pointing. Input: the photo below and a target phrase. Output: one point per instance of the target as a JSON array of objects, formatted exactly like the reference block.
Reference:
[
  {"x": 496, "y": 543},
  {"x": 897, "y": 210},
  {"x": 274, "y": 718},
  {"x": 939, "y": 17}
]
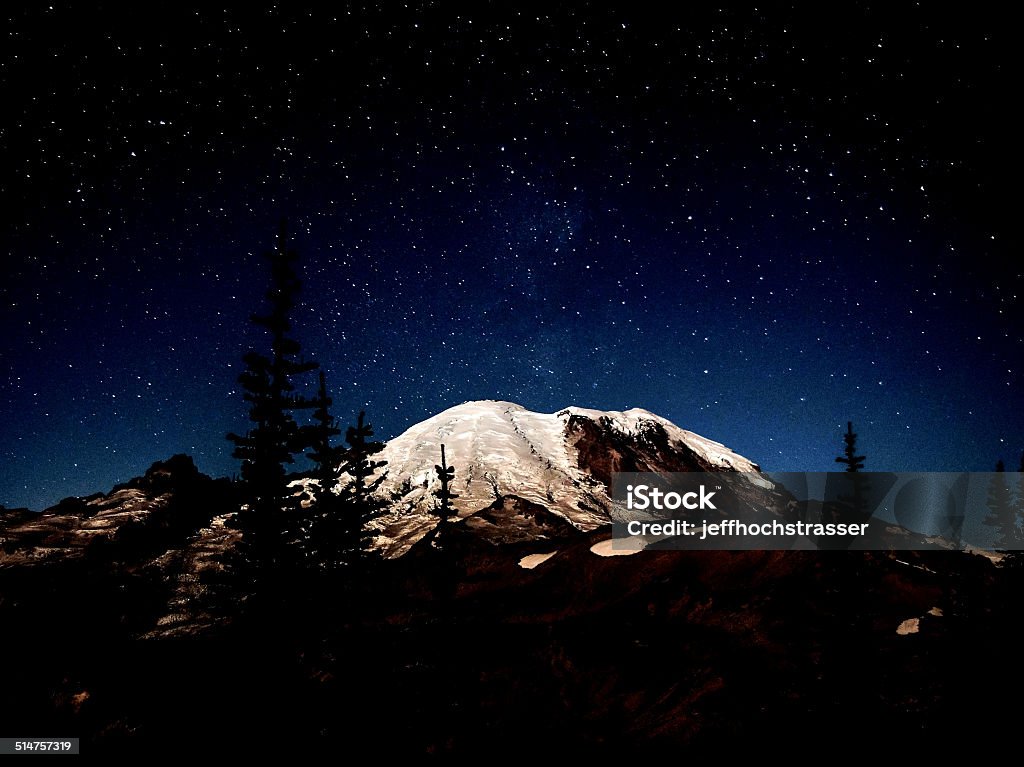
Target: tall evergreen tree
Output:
[
  {"x": 327, "y": 458},
  {"x": 1002, "y": 513},
  {"x": 274, "y": 437}
]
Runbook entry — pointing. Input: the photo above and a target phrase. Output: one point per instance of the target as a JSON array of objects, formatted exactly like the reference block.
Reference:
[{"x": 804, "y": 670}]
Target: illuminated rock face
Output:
[{"x": 551, "y": 469}]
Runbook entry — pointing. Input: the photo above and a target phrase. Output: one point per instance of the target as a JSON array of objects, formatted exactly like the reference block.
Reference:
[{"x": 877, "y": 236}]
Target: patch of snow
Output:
[
  {"x": 608, "y": 549},
  {"x": 532, "y": 560}
]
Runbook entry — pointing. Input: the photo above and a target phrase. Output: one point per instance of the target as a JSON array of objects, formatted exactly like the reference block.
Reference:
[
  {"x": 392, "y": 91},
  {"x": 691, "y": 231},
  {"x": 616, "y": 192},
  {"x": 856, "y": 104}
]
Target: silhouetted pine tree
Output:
[
  {"x": 854, "y": 505},
  {"x": 1015, "y": 559},
  {"x": 444, "y": 494},
  {"x": 444, "y": 570},
  {"x": 327, "y": 458},
  {"x": 274, "y": 437},
  {"x": 853, "y": 461},
  {"x": 1002, "y": 512},
  {"x": 337, "y": 535},
  {"x": 322, "y": 522},
  {"x": 360, "y": 504},
  {"x": 1019, "y": 503}
]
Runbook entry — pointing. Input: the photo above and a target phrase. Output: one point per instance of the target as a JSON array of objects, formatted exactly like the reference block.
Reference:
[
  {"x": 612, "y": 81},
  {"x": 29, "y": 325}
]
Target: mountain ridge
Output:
[{"x": 520, "y": 475}]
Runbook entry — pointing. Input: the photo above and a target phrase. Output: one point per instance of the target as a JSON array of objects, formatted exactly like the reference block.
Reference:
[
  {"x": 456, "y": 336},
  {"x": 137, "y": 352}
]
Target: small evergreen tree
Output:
[
  {"x": 446, "y": 474},
  {"x": 853, "y": 506},
  {"x": 1015, "y": 559},
  {"x": 444, "y": 569},
  {"x": 322, "y": 530},
  {"x": 853, "y": 461},
  {"x": 337, "y": 535},
  {"x": 1019, "y": 503},
  {"x": 1002, "y": 516},
  {"x": 361, "y": 504}
]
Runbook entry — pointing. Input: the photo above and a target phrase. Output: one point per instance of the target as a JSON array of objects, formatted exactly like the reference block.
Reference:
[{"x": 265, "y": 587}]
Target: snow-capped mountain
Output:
[
  {"x": 513, "y": 464},
  {"x": 520, "y": 476}
]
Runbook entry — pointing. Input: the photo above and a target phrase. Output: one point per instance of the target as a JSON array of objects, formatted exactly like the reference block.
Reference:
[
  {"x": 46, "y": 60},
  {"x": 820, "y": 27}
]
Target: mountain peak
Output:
[{"x": 556, "y": 463}]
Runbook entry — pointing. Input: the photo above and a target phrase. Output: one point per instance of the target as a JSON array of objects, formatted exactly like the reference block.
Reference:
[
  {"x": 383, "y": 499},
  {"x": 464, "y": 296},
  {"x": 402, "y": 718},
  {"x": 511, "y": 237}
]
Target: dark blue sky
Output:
[{"x": 757, "y": 224}]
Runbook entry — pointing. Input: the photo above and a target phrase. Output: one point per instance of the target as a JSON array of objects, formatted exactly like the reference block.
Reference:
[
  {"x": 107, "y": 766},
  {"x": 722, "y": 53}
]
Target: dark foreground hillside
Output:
[{"x": 460, "y": 650}]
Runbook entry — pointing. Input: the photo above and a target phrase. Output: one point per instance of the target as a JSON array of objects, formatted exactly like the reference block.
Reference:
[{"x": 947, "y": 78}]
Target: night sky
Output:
[{"x": 757, "y": 224}]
